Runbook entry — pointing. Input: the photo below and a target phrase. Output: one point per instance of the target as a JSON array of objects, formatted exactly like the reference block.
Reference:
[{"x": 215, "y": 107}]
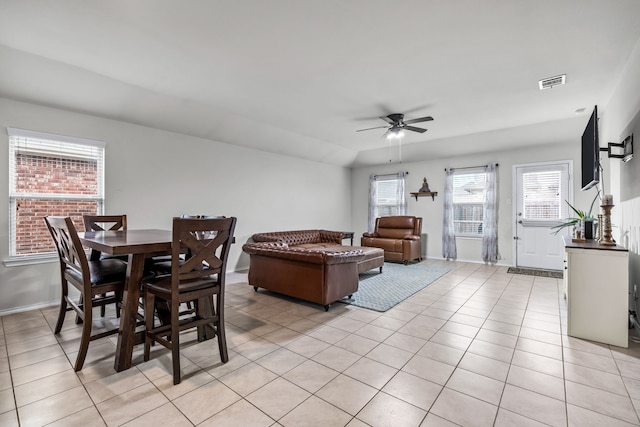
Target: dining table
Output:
[{"x": 138, "y": 245}]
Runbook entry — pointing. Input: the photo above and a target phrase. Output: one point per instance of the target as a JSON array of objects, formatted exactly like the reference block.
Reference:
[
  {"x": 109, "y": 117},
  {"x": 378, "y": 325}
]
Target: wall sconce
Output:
[{"x": 627, "y": 149}]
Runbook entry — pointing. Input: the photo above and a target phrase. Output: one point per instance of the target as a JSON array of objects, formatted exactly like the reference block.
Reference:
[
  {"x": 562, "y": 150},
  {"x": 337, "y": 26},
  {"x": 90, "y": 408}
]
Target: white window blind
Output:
[
  {"x": 468, "y": 199},
  {"x": 387, "y": 197},
  {"x": 50, "y": 175},
  {"x": 542, "y": 196}
]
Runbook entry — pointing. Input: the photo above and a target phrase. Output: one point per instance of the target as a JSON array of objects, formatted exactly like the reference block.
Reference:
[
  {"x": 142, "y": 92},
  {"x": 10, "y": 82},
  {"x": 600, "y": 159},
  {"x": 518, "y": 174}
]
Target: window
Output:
[
  {"x": 50, "y": 175},
  {"x": 541, "y": 195},
  {"x": 468, "y": 199},
  {"x": 386, "y": 196}
]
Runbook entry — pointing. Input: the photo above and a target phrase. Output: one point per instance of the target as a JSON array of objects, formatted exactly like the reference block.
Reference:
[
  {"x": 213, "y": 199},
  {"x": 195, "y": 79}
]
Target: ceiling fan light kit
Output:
[
  {"x": 396, "y": 129},
  {"x": 395, "y": 133},
  {"x": 397, "y": 125}
]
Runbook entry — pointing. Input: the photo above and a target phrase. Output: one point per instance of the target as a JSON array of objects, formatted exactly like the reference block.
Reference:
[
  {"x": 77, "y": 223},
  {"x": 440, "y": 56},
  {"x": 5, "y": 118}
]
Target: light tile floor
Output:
[{"x": 479, "y": 347}]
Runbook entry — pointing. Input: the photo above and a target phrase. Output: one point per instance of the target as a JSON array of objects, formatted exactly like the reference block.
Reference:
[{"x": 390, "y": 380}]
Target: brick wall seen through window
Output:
[{"x": 46, "y": 181}]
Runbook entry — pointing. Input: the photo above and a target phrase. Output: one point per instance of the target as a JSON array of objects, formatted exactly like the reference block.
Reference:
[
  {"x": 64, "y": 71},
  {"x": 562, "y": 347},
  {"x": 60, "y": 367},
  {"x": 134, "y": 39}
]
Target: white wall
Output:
[
  {"x": 622, "y": 117},
  {"x": 153, "y": 175},
  {"x": 469, "y": 249}
]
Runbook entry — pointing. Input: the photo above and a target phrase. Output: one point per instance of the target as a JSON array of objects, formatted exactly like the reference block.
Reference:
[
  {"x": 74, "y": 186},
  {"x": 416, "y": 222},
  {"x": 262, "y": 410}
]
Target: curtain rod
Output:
[
  {"x": 470, "y": 167},
  {"x": 389, "y": 174}
]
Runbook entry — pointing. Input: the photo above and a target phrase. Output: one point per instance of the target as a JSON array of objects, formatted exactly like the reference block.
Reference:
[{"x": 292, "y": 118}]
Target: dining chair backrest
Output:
[
  {"x": 207, "y": 241},
  {"x": 68, "y": 245},
  {"x": 104, "y": 222},
  {"x": 203, "y": 234}
]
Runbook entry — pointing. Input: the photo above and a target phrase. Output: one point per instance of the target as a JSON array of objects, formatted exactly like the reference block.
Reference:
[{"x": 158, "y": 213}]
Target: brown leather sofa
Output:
[
  {"x": 308, "y": 264},
  {"x": 325, "y": 240},
  {"x": 399, "y": 237}
]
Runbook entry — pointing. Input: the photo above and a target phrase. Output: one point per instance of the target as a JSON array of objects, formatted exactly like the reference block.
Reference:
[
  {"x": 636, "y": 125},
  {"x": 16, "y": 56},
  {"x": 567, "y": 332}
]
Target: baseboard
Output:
[
  {"x": 498, "y": 264},
  {"x": 29, "y": 307}
]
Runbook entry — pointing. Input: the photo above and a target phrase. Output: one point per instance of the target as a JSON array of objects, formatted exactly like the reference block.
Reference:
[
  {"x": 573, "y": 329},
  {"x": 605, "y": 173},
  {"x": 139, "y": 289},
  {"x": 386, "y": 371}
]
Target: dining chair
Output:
[
  {"x": 199, "y": 278},
  {"x": 99, "y": 282},
  {"x": 104, "y": 223}
]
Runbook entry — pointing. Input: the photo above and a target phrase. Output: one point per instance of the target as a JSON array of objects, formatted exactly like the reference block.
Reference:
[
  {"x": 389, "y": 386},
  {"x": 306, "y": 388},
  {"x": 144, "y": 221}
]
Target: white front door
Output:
[{"x": 541, "y": 190}]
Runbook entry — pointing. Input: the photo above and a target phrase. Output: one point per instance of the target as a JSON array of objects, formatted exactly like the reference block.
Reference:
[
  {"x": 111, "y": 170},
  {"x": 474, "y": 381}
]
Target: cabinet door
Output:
[
  {"x": 598, "y": 306},
  {"x": 565, "y": 275}
]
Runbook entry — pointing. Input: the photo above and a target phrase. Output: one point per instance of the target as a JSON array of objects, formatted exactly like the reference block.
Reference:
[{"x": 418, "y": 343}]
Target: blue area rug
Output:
[{"x": 397, "y": 282}]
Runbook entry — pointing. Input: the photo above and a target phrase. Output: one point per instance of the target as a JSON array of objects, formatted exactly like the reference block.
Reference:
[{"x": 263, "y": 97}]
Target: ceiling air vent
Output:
[{"x": 550, "y": 82}]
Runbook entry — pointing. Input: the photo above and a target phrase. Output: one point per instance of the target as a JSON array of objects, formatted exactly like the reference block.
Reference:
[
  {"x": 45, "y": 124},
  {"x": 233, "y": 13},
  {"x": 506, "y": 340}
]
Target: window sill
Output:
[
  {"x": 468, "y": 236},
  {"x": 19, "y": 261}
]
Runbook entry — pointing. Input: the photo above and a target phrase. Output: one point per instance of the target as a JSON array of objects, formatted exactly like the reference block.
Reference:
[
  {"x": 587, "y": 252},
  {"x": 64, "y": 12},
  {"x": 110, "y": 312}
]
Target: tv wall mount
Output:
[{"x": 627, "y": 149}]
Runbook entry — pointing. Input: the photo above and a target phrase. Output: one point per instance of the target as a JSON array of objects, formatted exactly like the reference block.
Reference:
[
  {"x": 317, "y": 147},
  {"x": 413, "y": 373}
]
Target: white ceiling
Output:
[{"x": 299, "y": 77}]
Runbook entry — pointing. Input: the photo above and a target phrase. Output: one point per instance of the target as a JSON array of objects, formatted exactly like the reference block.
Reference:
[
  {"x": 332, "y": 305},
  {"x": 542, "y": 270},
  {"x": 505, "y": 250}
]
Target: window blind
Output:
[
  {"x": 468, "y": 199},
  {"x": 542, "y": 196},
  {"x": 50, "y": 175}
]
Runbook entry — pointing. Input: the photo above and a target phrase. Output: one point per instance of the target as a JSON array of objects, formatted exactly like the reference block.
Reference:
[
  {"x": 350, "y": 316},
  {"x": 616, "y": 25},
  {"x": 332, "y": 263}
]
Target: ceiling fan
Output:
[{"x": 397, "y": 125}]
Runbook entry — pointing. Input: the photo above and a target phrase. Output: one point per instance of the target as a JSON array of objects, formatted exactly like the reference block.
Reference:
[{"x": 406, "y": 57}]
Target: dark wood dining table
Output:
[{"x": 138, "y": 245}]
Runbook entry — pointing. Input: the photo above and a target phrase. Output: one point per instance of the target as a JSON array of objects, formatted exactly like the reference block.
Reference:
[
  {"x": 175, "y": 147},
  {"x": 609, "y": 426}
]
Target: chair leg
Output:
[
  {"x": 175, "y": 342},
  {"x": 149, "y": 301},
  {"x": 81, "y": 305},
  {"x": 86, "y": 335},
  {"x": 118, "y": 302},
  {"x": 63, "y": 308},
  {"x": 220, "y": 330},
  {"x": 102, "y": 307}
]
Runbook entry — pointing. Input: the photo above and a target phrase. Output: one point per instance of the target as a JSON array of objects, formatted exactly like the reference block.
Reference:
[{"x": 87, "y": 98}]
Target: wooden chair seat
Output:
[
  {"x": 163, "y": 285},
  {"x": 101, "y": 273}
]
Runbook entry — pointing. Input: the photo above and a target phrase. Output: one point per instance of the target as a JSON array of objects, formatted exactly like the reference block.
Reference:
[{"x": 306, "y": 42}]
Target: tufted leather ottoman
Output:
[{"x": 373, "y": 257}]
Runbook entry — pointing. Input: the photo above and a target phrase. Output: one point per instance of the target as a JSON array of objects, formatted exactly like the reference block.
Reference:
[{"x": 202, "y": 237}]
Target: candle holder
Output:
[
  {"x": 600, "y": 228},
  {"x": 606, "y": 238}
]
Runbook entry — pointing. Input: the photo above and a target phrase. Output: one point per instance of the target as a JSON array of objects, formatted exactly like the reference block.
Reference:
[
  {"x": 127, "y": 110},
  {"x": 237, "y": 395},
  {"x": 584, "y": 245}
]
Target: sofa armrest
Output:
[
  {"x": 283, "y": 252},
  {"x": 369, "y": 234},
  {"x": 318, "y": 256},
  {"x": 412, "y": 237},
  {"x": 341, "y": 257},
  {"x": 265, "y": 237},
  {"x": 327, "y": 236}
]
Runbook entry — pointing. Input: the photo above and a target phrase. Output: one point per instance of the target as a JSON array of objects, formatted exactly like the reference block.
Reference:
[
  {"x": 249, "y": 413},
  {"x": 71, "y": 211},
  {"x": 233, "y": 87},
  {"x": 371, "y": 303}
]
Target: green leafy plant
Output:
[{"x": 580, "y": 215}]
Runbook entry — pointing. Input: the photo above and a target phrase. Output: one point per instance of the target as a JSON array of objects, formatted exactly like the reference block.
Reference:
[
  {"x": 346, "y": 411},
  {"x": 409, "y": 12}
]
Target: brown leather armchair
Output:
[{"x": 399, "y": 237}]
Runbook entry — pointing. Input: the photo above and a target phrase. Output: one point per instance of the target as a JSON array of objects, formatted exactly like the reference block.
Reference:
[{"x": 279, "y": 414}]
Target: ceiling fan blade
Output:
[
  {"x": 387, "y": 119},
  {"x": 377, "y": 127},
  {"x": 421, "y": 119},
  {"x": 415, "y": 129}
]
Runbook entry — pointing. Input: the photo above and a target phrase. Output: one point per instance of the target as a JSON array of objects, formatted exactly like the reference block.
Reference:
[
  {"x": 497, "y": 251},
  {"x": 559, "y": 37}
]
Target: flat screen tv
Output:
[{"x": 591, "y": 152}]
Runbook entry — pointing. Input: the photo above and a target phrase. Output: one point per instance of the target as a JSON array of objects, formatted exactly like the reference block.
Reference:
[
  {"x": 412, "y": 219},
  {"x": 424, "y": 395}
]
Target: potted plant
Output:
[{"x": 586, "y": 217}]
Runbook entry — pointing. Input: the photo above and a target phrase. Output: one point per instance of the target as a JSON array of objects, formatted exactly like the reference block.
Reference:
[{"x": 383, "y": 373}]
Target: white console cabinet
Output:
[{"x": 597, "y": 290}]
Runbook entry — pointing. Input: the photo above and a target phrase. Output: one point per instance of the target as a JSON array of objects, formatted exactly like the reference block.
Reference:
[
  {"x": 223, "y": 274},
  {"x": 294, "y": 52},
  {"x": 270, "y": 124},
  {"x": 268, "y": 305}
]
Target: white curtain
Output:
[
  {"x": 373, "y": 199},
  {"x": 401, "y": 200},
  {"x": 490, "y": 252},
  {"x": 449, "y": 251},
  {"x": 400, "y": 207}
]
